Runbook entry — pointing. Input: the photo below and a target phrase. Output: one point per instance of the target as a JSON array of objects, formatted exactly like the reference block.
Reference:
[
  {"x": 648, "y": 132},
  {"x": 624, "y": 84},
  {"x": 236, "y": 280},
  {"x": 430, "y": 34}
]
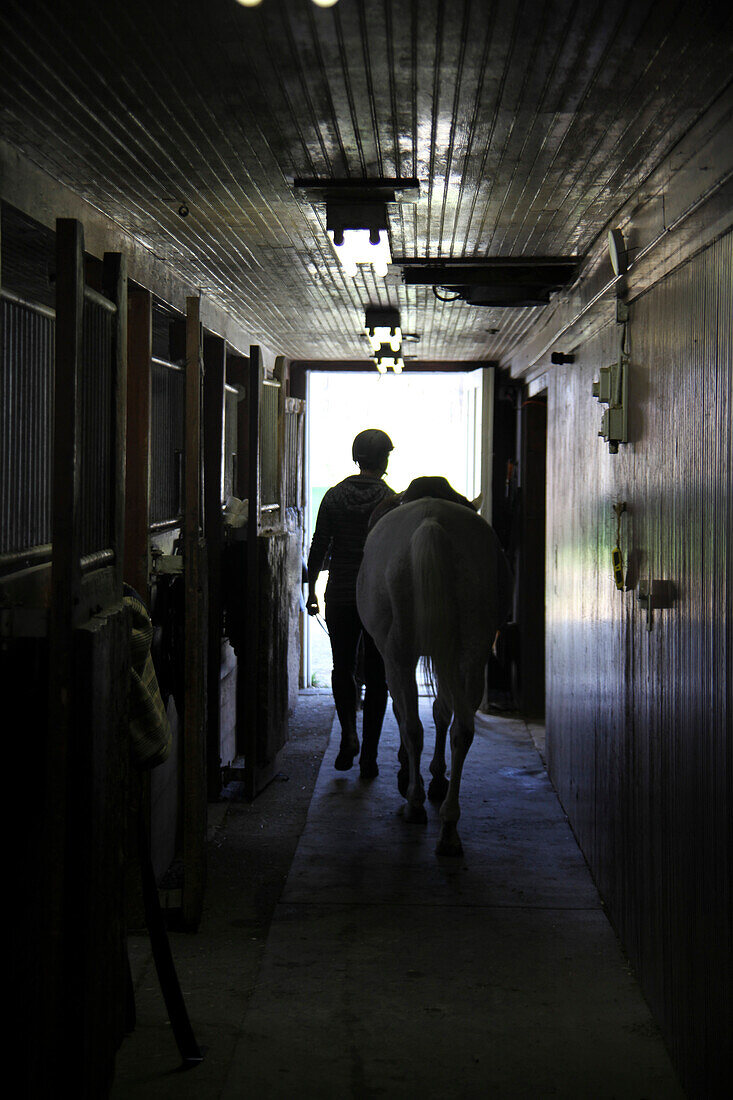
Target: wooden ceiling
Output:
[{"x": 528, "y": 124}]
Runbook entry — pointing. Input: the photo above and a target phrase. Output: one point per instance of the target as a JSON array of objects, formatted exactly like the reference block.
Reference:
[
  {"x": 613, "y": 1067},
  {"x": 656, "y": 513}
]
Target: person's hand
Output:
[{"x": 311, "y": 604}]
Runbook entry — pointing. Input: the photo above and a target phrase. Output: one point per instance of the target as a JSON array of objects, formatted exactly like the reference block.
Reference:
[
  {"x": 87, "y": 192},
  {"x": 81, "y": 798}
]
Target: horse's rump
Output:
[
  {"x": 429, "y": 575},
  {"x": 436, "y": 606}
]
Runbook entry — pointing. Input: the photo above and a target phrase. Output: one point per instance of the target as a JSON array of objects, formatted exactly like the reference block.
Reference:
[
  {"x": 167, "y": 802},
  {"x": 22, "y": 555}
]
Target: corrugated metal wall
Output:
[{"x": 639, "y": 722}]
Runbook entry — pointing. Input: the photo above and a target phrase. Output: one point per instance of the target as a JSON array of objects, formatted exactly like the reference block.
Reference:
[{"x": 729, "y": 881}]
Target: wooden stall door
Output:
[
  {"x": 82, "y": 944},
  {"x": 195, "y": 634},
  {"x": 264, "y": 691}
]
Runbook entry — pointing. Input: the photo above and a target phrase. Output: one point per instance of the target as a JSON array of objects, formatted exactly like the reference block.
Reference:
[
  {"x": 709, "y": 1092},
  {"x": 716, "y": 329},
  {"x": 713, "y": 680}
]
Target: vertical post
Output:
[
  {"x": 531, "y": 571},
  {"x": 137, "y": 477},
  {"x": 194, "y": 716},
  {"x": 281, "y": 475},
  {"x": 114, "y": 274},
  {"x": 254, "y": 390},
  {"x": 214, "y": 376},
  {"x": 65, "y": 599}
]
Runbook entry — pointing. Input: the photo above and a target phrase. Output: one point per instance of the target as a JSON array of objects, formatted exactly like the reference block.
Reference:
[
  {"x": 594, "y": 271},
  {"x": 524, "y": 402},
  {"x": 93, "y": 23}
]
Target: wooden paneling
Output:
[{"x": 640, "y": 721}]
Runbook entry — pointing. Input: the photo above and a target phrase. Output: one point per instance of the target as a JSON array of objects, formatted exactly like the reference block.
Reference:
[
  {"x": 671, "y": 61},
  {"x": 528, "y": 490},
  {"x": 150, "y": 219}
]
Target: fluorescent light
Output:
[
  {"x": 358, "y": 248},
  {"x": 383, "y": 334},
  {"x": 383, "y": 362}
]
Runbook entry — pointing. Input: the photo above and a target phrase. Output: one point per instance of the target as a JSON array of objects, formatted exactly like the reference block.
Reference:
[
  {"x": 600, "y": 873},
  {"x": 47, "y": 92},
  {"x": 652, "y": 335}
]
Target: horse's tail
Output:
[{"x": 435, "y": 606}]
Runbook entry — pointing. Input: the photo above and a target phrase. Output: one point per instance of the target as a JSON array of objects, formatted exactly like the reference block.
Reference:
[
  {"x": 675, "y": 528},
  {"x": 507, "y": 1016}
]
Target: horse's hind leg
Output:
[
  {"x": 461, "y": 737},
  {"x": 438, "y": 787},
  {"x": 403, "y": 688}
]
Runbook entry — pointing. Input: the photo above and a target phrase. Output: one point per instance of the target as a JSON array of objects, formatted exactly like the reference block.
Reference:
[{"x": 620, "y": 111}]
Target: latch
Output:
[{"x": 655, "y": 596}]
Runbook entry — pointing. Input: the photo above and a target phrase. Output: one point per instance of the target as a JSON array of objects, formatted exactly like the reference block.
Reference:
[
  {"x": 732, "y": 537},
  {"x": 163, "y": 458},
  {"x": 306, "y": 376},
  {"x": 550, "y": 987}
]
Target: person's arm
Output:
[{"x": 317, "y": 556}]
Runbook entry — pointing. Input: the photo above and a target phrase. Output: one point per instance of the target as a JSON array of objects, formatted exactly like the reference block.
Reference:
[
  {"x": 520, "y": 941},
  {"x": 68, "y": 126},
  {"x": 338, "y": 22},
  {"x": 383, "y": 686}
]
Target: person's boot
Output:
[
  {"x": 374, "y": 708},
  {"x": 344, "y": 696}
]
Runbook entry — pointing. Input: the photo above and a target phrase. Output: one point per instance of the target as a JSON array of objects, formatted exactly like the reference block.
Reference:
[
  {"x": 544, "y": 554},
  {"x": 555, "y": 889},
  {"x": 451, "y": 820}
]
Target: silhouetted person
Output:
[{"x": 341, "y": 530}]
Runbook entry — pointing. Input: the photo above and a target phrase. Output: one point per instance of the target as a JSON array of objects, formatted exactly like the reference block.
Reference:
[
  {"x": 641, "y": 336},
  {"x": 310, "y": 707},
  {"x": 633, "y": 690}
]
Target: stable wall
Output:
[{"x": 639, "y": 721}]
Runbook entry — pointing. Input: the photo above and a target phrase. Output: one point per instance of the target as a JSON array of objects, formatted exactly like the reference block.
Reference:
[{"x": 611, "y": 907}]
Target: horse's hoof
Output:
[
  {"x": 449, "y": 845},
  {"x": 368, "y": 769},
  {"x": 345, "y": 758},
  {"x": 437, "y": 790},
  {"x": 415, "y": 815}
]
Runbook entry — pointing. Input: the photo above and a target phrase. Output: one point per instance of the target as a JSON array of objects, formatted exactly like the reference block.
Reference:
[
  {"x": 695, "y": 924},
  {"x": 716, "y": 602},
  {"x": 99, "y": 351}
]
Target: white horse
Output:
[{"x": 434, "y": 583}]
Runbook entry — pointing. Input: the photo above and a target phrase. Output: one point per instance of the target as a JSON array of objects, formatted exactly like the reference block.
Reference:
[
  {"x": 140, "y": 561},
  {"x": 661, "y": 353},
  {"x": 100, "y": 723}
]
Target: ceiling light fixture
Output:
[
  {"x": 318, "y": 3},
  {"x": 359, "y": 236},
  {"x": 382, "y": 326},
  {"x": 389, "y": 359},
  {"x": 356, "y": 217}
]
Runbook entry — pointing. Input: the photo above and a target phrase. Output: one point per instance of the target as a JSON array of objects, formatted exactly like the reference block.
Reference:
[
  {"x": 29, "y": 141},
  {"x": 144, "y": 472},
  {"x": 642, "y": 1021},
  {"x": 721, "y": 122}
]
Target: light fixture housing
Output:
[
  {"x": 382, "y": 326},
  {"x": 386, "y": 359},
  {"x": 358, "y": 233},
  {"x": 356, "y": 216}
]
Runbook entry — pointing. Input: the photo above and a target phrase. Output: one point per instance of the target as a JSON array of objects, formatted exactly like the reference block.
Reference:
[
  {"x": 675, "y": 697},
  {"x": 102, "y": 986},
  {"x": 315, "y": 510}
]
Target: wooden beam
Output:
[
  {"x": 114, "y": 283},
  {"x": 194, "y": 712},
  {"x": 137, "y": 478},
  {"x": 214, "y": 378},
  {"x": 65, "y": 599},
  {"x": 253, "y": 625}
]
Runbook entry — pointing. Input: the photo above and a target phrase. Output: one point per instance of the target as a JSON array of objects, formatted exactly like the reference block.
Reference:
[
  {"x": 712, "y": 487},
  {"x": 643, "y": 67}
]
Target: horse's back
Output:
[{"x": 471, "y": 563}]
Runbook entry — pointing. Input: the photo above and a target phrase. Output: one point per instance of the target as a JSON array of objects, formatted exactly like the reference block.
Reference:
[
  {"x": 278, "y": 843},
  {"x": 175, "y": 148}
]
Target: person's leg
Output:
[
  {"x": 344, "y": 629},
  {"x": 375, "y": 704}
]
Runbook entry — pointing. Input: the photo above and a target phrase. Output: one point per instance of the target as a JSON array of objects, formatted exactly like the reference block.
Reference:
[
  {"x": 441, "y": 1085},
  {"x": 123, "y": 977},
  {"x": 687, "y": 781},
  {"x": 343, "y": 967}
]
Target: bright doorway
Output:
[{"x": 435, "y": 423}]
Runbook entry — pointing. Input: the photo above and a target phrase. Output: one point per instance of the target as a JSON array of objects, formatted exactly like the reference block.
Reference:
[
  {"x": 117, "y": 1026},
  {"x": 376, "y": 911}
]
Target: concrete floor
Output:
[{"x": 340, "y": 957}]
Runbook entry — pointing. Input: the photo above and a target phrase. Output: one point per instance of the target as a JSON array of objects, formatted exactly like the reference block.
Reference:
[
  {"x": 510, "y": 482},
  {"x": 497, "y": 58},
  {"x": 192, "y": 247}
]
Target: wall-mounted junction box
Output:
[{"x": 612, "y": 389}]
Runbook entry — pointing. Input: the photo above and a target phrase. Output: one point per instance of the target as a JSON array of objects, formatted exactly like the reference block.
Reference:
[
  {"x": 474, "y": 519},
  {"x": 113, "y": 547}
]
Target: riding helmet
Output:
[{"x": 371, "y": 447}]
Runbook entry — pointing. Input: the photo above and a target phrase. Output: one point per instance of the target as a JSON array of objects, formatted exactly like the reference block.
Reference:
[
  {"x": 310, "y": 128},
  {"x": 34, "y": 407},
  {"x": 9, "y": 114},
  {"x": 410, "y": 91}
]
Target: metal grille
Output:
[
  {"x": 293, "y": 454},
  {"x": 231, "y": 399},
  {"x": 269, "y": 488},
  {"x": 26, "y": 426},
  {"x": 95, "y": 464},
  {"x": 166, "y": 442}
]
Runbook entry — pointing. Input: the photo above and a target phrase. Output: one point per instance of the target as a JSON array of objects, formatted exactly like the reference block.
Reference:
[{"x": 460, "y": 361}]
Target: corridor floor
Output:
[{"x": 390, "y": 972}]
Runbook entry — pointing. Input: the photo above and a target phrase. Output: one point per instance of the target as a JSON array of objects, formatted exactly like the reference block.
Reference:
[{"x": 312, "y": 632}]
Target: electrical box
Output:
[
  {"x": 612, "y": 389},
  {"x": 602, "y": 388}
]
